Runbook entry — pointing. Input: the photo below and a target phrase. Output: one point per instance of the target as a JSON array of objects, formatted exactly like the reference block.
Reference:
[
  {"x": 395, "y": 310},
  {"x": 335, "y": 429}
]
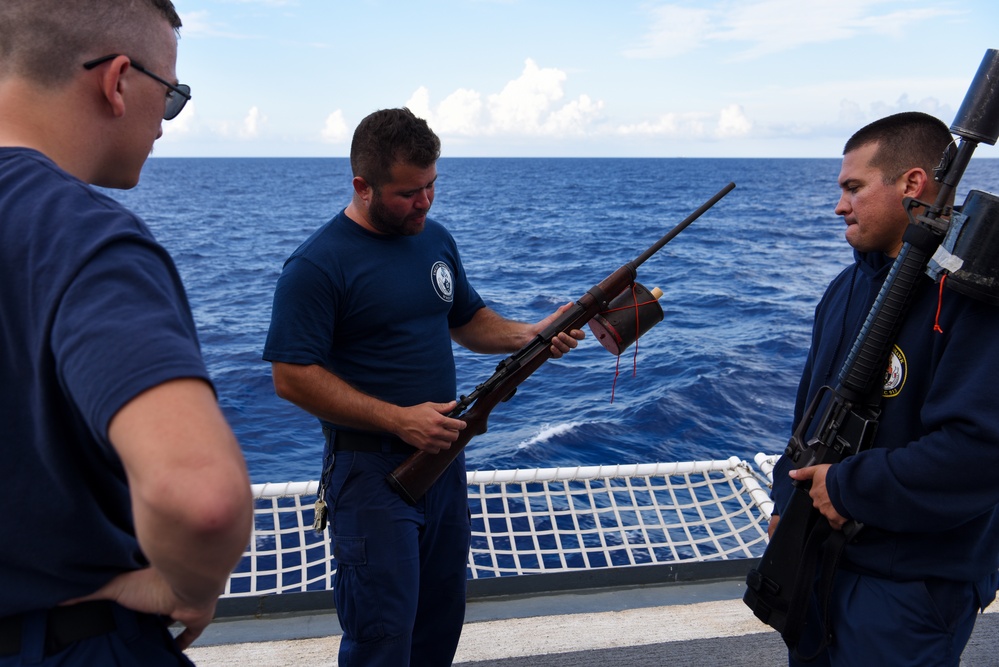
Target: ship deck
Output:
[{"x": 692, "y": 615}]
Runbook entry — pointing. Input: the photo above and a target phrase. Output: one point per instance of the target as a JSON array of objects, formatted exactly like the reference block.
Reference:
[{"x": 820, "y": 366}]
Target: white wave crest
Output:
[{"x": 547, "y": 432}]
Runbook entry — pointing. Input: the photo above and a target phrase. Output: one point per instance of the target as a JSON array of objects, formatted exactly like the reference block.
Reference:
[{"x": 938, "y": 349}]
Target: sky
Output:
[{"x": 563, "y": 78}]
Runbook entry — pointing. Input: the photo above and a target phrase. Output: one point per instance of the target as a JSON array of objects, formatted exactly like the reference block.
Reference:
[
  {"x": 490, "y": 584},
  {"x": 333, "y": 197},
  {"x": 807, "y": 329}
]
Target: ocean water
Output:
[{"x": 715, "y": 379}]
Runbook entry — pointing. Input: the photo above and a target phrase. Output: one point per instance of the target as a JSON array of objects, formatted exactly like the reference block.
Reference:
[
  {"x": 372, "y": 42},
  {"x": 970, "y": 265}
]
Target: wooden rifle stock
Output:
[{"x": 417, "y": 473}]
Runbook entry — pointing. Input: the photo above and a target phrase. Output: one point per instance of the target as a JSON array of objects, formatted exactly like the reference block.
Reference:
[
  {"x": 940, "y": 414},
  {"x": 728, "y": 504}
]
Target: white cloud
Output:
[
  {"x": 674, "y": 31},
  {"x": 930, "y": 105},
  {"x": 851, "y": 115},
  {"x": 732, "y": 122},
  {"x": 774, "y": 26},
  {"x": 419, "y": 104},
  {"x": 686, "y": 125},
  {"x": 460, "y": 113},
  {"x": 522, "y": 103},
  {"x": 335, "y": 130},
  {"x": 574, "y": 118},
  {"x": 252, "y": 123},
  {"x": 531, "y": 105}
]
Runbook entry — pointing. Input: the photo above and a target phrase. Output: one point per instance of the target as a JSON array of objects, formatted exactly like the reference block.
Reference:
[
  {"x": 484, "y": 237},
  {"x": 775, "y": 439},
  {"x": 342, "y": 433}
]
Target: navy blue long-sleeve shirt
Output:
[{"x": 926, "y": 491}]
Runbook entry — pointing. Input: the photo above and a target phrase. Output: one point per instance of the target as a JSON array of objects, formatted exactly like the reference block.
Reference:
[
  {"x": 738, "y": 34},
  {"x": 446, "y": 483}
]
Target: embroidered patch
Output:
[
  {"x": 440, "y": 276},
  {"x": 895, "y": 373}
]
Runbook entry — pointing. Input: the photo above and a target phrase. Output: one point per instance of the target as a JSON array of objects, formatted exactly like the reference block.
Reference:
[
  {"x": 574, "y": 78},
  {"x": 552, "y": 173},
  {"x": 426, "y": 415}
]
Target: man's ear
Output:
[
  {"x": 113, "y": 85},
  {"x": 914, "y": 182},
  {"x": 362, "y": 190}
]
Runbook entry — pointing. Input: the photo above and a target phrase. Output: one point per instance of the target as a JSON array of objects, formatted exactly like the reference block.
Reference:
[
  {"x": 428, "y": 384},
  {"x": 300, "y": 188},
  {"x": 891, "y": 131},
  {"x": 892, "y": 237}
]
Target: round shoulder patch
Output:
[
  {"x": 443, "y": 281},
  {"x": 895, "y": 373}
]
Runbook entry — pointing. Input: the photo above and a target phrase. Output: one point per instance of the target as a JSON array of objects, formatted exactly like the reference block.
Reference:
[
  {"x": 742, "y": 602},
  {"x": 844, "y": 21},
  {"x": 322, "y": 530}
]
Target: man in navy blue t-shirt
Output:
[
  {"x": 126, "y": 498},
  {"x": 364, "y": 315}
]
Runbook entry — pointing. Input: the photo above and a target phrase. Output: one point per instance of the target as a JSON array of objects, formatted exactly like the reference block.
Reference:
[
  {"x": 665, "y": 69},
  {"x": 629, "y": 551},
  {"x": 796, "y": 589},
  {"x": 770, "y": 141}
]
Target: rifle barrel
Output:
[
  {"x": 657, "y": 246},
  {"x": 414, "y": 476}
]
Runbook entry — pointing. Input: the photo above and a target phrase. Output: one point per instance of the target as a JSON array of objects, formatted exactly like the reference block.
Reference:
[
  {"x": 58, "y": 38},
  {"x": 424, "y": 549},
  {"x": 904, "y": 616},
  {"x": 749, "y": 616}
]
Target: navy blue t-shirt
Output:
[
  {"x": 92, "y": 313},
  {"x": 375, "y": 310}
]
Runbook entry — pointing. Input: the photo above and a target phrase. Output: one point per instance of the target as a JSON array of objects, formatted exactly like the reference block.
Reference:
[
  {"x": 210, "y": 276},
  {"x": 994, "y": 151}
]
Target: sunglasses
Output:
[{"x": 177, "y": 97}]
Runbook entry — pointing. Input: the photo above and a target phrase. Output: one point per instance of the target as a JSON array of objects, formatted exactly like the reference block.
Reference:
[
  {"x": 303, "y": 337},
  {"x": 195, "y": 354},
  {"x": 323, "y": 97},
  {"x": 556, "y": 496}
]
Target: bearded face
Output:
[{"x": 400, "y": 207}]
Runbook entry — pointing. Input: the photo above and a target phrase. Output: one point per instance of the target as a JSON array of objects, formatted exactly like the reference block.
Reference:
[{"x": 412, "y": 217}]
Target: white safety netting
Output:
[{"x": 542, "y": 520}]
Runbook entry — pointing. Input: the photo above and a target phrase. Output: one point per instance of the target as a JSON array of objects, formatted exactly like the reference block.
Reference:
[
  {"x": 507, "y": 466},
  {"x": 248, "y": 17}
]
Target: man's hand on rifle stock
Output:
[
  {"x": 426, "y": 426},
  {"x": 818, "y": 492}
]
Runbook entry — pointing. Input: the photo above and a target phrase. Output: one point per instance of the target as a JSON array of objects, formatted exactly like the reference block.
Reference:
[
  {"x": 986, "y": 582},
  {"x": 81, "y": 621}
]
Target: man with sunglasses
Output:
[
  {"x": 177, "y": 94},
  {"x": 126, "y": 498}
]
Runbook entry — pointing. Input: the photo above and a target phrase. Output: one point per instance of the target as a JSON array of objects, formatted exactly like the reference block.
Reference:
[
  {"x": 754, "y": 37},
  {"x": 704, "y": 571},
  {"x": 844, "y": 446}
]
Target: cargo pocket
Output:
[
  {"x": 356, "y": 592},
  {"x": 349, "y": 551}
]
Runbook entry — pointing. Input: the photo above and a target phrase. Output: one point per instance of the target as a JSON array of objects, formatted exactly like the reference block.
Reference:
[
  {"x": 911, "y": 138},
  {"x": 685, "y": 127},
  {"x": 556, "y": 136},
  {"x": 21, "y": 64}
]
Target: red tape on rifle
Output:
[{"x": 634, "y": 363}]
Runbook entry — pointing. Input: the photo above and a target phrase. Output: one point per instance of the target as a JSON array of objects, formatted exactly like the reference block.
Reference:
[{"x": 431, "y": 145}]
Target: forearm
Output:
[
  {"x": 323, "y": 394},
  {"x": 490, "y": 333},
  {"x": 319, "y": 392}
]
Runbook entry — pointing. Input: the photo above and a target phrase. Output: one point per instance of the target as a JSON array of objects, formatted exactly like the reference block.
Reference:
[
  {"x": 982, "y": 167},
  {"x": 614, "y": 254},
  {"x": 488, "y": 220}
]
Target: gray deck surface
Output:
[
  {"x": 680, "y": 623},
  {"x": 755, "y": 650}
]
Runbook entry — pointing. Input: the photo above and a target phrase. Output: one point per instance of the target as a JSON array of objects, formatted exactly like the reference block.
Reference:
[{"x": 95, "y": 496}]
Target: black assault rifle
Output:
[
  {"x": 418, "y": 472},
  {"x": 779, "y": 589}
]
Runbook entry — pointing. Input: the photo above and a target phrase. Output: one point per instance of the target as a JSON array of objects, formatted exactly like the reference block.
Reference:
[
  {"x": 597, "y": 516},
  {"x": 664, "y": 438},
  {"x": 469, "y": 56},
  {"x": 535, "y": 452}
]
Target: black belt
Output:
[
  {"x": 353, "y": 441},
  {"x": 63, "y": 626}
]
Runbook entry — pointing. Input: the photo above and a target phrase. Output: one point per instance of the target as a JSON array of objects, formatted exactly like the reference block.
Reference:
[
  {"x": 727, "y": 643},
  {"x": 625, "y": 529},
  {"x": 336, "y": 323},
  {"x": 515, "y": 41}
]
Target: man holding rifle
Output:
[
  {"x": 908, "y": 589},
  {"x": 364, "y": 315}
]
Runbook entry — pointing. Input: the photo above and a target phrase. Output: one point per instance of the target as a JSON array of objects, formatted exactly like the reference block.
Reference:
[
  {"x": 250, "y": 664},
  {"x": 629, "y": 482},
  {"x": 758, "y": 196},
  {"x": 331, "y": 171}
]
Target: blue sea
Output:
[{"x": 715, "y": 379}]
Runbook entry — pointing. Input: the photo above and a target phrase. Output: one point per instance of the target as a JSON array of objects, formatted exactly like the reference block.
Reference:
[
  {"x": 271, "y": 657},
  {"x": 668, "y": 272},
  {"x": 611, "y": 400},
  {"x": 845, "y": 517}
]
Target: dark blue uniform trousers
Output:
[
  {"x": 138, "y": 640},
  {"x": 401, "y": 575},
  {"x": 893, "y": 624}
]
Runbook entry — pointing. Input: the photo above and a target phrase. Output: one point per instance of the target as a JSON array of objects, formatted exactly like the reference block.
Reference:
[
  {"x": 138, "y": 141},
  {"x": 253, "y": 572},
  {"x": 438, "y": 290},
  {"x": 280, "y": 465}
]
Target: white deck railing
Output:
[{"x": 543, "y": 520}]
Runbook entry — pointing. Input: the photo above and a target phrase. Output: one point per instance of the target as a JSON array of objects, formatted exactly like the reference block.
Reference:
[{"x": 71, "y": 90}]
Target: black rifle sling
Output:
[
  {"x": 804, "y": 584},
  {"x": 826, "y": 545}
]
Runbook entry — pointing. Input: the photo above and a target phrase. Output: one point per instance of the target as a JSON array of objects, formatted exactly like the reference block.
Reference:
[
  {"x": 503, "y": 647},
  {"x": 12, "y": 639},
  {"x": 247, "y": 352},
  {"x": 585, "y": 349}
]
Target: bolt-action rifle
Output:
[
  {"x": 418, "y": 472},
  {"x": 778, "y": 590}
]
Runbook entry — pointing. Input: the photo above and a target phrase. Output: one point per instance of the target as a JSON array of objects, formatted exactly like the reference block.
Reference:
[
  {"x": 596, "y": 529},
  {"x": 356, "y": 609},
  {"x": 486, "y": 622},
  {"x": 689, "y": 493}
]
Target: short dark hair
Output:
[
  {"x": 49, "y": 40},
  {"x": 905, "y": 140},
  {"x": 390, "y": 136}
]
